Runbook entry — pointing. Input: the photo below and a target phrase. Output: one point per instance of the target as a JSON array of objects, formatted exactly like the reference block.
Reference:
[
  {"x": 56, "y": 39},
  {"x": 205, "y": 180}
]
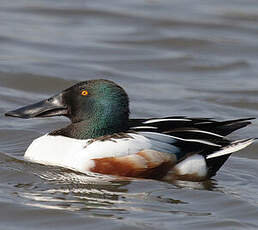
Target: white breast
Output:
[{"x": 78, "y": 154}]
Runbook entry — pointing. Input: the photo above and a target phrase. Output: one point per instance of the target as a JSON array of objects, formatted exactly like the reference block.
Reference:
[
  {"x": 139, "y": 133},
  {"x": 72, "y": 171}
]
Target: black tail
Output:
[
  {"x": 214, "y": 164},
  {"x": 225, "y": 127}
]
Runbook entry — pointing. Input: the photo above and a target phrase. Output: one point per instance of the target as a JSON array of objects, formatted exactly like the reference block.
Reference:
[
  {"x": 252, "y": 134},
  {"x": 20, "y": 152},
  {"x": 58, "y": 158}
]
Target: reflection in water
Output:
[
  {"x": 63, "y": 189},
  {"x": 203, "y": 185}
]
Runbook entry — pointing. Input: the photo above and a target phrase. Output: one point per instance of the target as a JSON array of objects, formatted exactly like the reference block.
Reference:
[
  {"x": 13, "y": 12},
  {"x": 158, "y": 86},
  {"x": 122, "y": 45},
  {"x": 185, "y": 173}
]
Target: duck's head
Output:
[{"x": 100, "y": 101}]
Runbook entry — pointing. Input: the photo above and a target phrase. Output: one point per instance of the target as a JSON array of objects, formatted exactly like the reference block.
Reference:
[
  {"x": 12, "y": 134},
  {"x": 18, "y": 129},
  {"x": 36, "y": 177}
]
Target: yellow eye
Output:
[{"x": 84, "y": 93}]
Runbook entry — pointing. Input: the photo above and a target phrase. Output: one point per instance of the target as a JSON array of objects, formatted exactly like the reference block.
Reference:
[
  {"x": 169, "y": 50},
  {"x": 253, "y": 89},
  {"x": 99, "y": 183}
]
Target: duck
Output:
[{"x": 102, "y": 139}]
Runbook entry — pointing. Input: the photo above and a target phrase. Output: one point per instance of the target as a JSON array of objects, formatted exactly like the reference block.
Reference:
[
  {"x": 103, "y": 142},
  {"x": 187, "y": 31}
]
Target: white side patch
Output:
[
  {"x": 234, "y": 147},
  {"x": 194, "y": 164},
  {"x": 117, "y": 147}
]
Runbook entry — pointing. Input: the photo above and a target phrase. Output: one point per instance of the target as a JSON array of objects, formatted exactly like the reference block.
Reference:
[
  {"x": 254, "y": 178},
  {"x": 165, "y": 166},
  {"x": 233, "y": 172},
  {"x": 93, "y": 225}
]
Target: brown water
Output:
[{"x": 195, "y": 58}]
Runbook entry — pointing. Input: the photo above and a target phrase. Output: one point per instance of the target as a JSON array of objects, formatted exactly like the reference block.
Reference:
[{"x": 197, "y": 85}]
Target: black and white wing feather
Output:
[
  {"x": 202, "y": 136},
  {"x": 184, "y": 125}
]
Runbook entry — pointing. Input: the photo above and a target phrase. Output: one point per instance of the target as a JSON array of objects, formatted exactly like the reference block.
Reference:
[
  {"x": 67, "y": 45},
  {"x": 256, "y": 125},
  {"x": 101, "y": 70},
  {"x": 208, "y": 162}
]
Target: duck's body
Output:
[{"x": 102, "y": 139}]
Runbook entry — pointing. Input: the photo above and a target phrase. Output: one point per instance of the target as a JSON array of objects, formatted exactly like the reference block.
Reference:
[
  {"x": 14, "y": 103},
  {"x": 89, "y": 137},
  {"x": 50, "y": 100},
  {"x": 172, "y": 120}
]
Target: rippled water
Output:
[{"x": 195, "y": 58}]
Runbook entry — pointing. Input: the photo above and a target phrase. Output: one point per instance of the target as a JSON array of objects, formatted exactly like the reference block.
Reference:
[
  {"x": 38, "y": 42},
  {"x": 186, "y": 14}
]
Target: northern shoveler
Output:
[{"x": 101, "y": 138}]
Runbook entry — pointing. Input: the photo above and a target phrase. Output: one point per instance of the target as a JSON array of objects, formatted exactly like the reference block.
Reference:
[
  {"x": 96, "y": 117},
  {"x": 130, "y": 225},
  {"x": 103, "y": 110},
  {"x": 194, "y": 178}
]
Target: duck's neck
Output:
[{"x": 94, "y": 127}]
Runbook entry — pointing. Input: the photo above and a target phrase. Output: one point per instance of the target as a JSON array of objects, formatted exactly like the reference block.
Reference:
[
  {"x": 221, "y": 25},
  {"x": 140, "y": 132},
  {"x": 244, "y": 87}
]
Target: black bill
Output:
[{"x": 53, "y": 106}]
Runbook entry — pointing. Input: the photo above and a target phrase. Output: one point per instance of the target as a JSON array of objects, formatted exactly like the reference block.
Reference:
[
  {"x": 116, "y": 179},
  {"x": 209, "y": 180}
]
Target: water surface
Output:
[{"x": 194, "y": 58}]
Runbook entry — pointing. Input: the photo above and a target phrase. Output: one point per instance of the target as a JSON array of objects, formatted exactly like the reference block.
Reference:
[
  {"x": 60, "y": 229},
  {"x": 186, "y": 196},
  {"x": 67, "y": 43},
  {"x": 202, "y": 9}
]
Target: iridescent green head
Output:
[{"x": 95, "y": 108}]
